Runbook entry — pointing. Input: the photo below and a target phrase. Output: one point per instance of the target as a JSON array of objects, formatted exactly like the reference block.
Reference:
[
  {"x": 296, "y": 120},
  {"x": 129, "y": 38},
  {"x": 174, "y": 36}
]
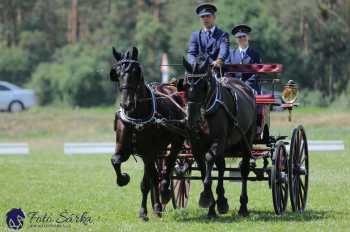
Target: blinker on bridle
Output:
[{"x": 126, "y": 61}]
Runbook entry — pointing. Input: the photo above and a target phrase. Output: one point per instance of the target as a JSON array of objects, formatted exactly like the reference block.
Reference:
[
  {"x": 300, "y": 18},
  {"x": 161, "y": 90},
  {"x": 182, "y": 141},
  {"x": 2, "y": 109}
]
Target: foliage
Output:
[
  {"x": 14, "y": 66},
  {"x": 74, "y": 77},
  {"x": 310, "y": 38}
]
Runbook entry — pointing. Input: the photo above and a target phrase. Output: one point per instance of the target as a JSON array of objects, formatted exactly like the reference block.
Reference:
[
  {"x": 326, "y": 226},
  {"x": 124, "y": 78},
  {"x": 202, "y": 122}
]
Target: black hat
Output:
[
  {"x": 206, "y": 9},
  {"x": 240, "y": 30}
]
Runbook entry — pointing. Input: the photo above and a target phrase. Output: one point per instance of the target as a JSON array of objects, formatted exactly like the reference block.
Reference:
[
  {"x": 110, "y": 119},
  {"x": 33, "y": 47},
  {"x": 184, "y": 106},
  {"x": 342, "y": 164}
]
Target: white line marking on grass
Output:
[
  {"x": 14, "y": 149},
  {"x": 88, "y": 148},
  {"x": 109, "y": 148}
]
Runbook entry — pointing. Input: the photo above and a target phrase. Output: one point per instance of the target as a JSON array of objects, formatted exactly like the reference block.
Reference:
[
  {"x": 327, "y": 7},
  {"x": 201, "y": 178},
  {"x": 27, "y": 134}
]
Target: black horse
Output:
[
  {"x": 138, "y": 130},
  {"x": 222, "y": 120}
]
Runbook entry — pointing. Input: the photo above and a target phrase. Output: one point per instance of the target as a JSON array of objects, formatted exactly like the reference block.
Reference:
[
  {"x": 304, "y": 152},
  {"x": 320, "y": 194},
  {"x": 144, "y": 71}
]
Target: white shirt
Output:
[
  {"x": 243, "y": 52},
  {"x": 243, "y": 49},
  {"x": 211, "y": 30}
]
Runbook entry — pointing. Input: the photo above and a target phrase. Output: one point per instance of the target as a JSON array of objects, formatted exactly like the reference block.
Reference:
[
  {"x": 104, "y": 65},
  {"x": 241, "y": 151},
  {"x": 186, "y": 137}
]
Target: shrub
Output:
[{"x": 74, "y": 77}]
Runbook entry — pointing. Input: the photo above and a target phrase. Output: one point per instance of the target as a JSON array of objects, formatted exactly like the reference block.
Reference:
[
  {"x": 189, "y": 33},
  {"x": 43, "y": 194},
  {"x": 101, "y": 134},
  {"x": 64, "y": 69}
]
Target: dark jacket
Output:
[{"x": 252, "y": 56}]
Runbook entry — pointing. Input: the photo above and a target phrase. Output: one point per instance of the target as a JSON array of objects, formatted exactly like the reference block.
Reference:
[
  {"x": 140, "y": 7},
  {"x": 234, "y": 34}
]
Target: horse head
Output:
[
  {"x": 128, "y": 74},
  {"x": 197, "y": 86}
]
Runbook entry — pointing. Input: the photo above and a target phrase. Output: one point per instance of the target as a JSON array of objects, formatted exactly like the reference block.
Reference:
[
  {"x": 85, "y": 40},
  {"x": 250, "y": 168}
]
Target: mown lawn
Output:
[{"x": 50, "y": 182}]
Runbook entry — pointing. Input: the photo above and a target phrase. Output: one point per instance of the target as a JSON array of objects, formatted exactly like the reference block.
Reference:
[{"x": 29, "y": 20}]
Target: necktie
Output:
[
  {"x": 242, "y": 55},
  {"x": 208, "y": 35}
]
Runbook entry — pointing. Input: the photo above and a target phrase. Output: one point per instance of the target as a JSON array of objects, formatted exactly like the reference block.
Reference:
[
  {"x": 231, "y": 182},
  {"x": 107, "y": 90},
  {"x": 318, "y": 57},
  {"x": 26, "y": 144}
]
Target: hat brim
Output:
[
  {"x": 239, "y": 34},
  {"x": 204, "y": 14},
  {"x": 241, "y": 28}
]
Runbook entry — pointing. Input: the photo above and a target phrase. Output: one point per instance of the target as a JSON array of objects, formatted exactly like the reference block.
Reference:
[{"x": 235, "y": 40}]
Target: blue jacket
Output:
[{"x": 217, "y": 46}]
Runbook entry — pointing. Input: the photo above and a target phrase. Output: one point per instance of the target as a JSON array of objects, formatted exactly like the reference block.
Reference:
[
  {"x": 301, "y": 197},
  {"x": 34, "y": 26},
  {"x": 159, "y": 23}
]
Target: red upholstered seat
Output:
[{"x": 265, "y": 99}]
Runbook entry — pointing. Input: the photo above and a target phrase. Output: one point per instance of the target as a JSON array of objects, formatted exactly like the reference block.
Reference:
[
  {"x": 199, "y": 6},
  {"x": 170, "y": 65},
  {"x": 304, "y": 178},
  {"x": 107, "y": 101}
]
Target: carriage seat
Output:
[
  {"x": 170, "y": 91},
  {"x": 265, "y": 99}
]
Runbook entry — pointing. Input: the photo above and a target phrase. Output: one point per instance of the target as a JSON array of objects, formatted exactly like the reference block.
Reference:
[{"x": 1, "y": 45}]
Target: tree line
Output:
[{"x": 62, "y": 49}]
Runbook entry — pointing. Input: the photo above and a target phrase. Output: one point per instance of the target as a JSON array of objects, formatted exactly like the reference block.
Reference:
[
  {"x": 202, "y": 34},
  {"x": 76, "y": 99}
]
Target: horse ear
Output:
[
  {"x": 117, "y": 55},
  {"x": 134, "y": 53},
  {"x": 187, "y": 65}
]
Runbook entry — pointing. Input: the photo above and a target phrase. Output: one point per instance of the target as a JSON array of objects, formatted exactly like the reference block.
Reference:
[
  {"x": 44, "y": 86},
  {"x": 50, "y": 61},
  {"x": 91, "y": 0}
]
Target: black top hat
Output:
[
  {"x": 206, "y": 9},
  {"x": 241, "y": 30}
]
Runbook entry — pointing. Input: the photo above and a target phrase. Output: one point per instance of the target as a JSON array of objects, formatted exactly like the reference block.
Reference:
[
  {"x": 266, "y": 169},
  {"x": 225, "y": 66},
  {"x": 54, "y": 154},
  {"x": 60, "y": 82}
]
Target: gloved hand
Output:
[{"x": 218, "y": 63}]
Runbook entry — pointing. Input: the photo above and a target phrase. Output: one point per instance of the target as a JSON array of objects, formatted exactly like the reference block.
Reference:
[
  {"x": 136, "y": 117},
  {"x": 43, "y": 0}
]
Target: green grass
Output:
[{"x": 49, "y": 181}]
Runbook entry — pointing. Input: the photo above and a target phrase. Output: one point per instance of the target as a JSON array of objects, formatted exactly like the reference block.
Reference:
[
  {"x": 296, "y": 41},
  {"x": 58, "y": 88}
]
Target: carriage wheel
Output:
[
  {"x": 298, "y": 169},
  {"x": 181, "y": 187},
  {"x": 279, "y": 178}
]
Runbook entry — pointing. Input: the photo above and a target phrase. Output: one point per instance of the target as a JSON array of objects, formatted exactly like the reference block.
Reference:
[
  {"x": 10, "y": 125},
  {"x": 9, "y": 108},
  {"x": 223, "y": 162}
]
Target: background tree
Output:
[{"x": 63, "y": 48}]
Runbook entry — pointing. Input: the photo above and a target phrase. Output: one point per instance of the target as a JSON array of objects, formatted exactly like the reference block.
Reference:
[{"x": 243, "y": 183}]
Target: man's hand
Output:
[{"x": 218, "y": 63}]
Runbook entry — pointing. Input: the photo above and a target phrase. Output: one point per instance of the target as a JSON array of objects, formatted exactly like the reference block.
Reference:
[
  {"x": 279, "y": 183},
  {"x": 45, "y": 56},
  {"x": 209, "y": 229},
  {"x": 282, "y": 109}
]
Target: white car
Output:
[{"x": 14, "y": 98}]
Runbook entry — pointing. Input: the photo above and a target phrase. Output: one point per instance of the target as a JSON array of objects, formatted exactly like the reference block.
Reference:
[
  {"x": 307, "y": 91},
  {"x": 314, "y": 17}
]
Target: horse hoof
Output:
[
  {"x": 157, "y": 210},
  {"x": 143, "y": 215},
  {"x": 212, "y": 216},
  {"x": 222, "y": 205},
  {"x": 144, "y": 218},
  {"x": 123, "y": 180},
  {"x": 205, "y": 200},
  {"x": 243, "y": 211}
]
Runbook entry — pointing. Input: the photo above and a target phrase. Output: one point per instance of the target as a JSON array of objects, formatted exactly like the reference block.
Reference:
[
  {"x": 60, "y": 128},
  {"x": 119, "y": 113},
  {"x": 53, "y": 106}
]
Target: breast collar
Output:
[{"x": 140, "y": 122}]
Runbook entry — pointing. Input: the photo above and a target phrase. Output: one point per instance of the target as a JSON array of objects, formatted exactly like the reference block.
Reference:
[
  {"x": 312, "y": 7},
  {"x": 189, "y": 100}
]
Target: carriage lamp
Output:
[
  {"x": 290, "y": 92},
  {"x": 289, "y": 96}
]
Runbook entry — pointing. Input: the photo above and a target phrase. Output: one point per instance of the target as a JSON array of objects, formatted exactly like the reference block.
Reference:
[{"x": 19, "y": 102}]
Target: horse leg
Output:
[
  {"x": 121, "y": 153},
  {"x": 211, "y": 212},
  {"x": 243, "y": 210},
  {"x": 165, "y": 190},
  {"x": 145, "y": 187},
  {"x": 222, "y": 205},
  {"x": 117, "y": 159},
  {"x": 206, "y": 198},
  {"x": 157, "y": 206}
]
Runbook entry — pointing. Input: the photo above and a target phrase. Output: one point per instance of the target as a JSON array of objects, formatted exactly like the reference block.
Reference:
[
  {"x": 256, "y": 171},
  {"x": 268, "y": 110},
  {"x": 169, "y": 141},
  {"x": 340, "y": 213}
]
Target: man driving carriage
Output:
[
  {"x": 244, "y": 54},
  {"x": 210, "y": 41}
]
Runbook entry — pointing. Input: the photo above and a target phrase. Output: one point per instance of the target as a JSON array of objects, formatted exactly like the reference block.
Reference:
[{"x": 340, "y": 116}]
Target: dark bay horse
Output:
[
  {"x": 137, "y": 130},
  {"x": 222, "y": 121}
]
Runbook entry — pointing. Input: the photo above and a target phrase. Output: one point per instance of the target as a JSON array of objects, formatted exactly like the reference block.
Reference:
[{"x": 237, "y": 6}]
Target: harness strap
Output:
[
  {"x": 235, "y": 124},
  {"x": 171, "y": 100},
  {"x": 233, "y": 119}
]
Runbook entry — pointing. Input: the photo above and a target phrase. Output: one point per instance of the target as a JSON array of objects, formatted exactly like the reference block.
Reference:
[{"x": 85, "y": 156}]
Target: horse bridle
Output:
[
  {"x": 193, "y": 83},
  {"x": 127, "y": 61}
]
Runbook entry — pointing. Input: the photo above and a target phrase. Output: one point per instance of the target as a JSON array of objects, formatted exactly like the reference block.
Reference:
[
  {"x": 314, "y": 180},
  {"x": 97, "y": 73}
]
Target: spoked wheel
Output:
[
  {"x": 279, "y": 178},
  {"x": 180, "y": 185},
  {"x": 298, "y": 169}
]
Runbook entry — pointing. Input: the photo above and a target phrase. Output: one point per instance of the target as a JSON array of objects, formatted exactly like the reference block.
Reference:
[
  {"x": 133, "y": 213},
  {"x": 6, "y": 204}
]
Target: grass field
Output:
[{"x": 47, "y": 181}]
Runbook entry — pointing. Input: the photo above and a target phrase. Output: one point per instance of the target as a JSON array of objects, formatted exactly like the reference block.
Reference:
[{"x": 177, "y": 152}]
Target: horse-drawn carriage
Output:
[
  {"x": 166, "y": 123},
  {"x": 286, "y": 171}
]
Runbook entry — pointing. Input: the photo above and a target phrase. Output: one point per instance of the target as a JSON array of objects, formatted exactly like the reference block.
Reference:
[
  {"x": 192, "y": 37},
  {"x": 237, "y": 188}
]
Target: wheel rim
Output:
[
  {"x": 299, "y": 169},
  {"x": 279, "y": 178}
]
